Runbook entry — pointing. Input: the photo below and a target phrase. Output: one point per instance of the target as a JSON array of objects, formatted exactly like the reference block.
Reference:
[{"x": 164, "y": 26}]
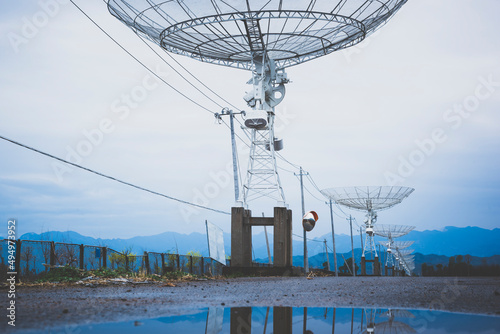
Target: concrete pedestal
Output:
[{"x": 241, "y": 236}]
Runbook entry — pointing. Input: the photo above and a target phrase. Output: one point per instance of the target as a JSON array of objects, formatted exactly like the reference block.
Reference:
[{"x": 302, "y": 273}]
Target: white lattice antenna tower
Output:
[{"x": 262, "y": 178}]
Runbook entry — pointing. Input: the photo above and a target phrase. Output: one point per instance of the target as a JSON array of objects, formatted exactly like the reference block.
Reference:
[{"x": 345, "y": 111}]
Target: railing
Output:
[{"x": 35, "y": 258}]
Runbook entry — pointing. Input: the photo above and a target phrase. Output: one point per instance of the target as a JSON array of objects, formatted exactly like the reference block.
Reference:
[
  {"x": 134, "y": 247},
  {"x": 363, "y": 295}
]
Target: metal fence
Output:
[{"x": 35, "y": 258}]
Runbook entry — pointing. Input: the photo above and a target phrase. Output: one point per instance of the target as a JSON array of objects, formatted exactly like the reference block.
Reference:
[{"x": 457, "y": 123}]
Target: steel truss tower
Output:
[
  {"x": 369, "y": 250},
  {"x": 262, "y": 174},
  {"x": 268, "y": 91}
]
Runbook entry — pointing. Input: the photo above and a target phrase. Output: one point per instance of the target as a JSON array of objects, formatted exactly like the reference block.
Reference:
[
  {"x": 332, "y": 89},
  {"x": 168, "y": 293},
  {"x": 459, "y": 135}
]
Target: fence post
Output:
[
  {"x": 191, "y": 264},
  {"x": 126, "y": 262},
  {"x": 82, "y": 257},
  {"x": 146, "y": 262},
  {"x": 178, "y": 262},
  {"x": 202, "y": 266},
  {"x": 17, "y": 261},
  {"x": 52, "y": 254},
  {"x": 162, "y": 264},
  {"x": 104, "y": 257}
]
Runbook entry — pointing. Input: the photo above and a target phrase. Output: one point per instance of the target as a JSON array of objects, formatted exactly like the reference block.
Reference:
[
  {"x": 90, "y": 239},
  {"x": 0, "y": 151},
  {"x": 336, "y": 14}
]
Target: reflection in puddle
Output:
[{"x": 241, "y": 320}]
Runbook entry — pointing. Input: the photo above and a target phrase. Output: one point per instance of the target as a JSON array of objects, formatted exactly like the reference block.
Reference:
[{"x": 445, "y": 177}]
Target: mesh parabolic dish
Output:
[
  {"x": 393, "y": 231},
  {"x": 402, "y": 244},
  {"x": 368, "y": 198},
  {"x": 228, "y": 32},
  {"x": 399, "y": 245}
]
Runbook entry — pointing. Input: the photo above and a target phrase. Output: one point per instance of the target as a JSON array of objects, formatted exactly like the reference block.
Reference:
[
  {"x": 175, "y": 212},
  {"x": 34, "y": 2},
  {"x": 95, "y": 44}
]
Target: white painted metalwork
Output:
[
  {"x": 229, "y": 32},
  {"x": 264, "y": 36},
  {"x": 370, "y": 200}
]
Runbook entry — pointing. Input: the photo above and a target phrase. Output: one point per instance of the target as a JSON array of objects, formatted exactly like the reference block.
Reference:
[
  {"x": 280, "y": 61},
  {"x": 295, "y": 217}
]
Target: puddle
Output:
[{"x": 239, "y": 320}]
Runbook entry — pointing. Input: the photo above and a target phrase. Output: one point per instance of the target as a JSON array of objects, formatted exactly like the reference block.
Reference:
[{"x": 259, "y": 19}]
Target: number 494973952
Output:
[{"x": 11, "y": 244}]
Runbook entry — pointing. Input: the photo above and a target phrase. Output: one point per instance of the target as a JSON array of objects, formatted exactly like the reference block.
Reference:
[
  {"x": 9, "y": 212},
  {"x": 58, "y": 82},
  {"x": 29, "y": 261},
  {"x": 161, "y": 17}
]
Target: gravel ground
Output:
[{"x": 56, "y": 305}]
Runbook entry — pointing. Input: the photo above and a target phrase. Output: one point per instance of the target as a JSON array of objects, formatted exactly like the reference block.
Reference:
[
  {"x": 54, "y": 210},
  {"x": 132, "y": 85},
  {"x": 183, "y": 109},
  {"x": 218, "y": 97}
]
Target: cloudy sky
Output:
[{"x": 417, "y": 104}]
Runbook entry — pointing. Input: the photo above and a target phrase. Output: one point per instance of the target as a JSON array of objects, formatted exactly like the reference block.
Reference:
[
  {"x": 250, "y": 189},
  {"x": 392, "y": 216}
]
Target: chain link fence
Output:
[{"x": 35, "y": 258}]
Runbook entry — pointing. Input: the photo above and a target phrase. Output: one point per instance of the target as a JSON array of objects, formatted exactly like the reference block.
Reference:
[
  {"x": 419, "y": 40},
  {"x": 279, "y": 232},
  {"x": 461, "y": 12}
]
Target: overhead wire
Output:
[
  {"x": 291, "y": 164},
  {"x": 111, "y": 177},
  {"x": 147, "y": 68},
  {"x": 173, "y": 68},
  {"x": 185, "y": 69},
  {"x": 198, "y": 89},
  {"x": 302, "y": 237},
  {"x": 311, "y": 180},
  {"x": 138, "y": 60}
]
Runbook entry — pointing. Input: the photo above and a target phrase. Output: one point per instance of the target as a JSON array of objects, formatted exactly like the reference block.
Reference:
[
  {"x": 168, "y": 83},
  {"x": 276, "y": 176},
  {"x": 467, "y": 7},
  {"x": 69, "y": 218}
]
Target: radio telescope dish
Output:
[
  {"x": 263, "y": 36},
  {"x": 402, "y": 244},
  {"x": 368, "y": 198},
  {"x": 230, "y": 32},
  {"x": 392, "y": 231}
]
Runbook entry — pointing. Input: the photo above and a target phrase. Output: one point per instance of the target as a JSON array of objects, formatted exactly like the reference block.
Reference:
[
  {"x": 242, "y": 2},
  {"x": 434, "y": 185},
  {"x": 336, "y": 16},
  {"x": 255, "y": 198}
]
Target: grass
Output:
[
  {"x": 69, "y": 274},
  {"x": 62, "y": 274}
]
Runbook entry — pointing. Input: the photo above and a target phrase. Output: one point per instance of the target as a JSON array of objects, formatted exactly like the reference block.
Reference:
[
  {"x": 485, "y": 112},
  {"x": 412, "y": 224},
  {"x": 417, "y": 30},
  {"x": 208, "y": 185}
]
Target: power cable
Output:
[
  {"x": 190, "y": 73},
  {"x": 185, "y": 69},
  {"x": 112, "y": 178},
  {"x": 140, "y": 62},
  {"x": 302, "y": 237},
  {"x": 291, "y": 164}
]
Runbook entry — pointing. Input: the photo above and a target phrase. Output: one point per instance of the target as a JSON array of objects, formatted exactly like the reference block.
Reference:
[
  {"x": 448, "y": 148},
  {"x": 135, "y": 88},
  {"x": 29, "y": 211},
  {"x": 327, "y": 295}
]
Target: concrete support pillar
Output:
[
  {"x": 241, "y": 320},
  {"x": 282, "y": 320},
  {"x": 282, "y": 237},
  {"x": 376, "y": 267},
  {"x": 363, "y": 266},
  {"x": 241, "y": 238}
]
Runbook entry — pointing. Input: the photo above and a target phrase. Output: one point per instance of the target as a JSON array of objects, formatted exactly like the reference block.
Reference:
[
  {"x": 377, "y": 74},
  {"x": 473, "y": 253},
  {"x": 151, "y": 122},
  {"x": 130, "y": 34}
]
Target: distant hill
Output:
[
  {"x": 164, "y": 242},
  {"x": 451, "y": 241},
  {"x": 317, "y": 260},
  {"x": 471, "y": 240}
]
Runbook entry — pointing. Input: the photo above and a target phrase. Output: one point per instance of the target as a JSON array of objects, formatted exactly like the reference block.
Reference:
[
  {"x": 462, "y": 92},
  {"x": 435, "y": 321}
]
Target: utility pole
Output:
[
  {"x": 306, "y": 259},
  {"x": 333, "y": 240},
  {"x": 352, "y": 249},
  {"x": 327, "y": 258},
  {"x": 267, "y": 244},
  {"x": 361, "y": 237},
  {"x": 381, "y": 260},
  {"x": 231, "y": 114}
]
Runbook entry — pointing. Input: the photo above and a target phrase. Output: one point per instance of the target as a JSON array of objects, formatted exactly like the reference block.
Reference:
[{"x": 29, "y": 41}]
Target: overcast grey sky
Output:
[{"x": 417, "y": 104}]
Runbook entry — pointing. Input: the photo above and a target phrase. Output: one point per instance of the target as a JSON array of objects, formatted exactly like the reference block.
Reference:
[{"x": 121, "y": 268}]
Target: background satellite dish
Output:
[{"x": 309, "y": 220}]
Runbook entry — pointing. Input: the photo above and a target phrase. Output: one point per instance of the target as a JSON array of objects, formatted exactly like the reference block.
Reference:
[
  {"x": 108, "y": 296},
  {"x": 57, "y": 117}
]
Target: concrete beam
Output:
[{"x": 261, "y": 221}]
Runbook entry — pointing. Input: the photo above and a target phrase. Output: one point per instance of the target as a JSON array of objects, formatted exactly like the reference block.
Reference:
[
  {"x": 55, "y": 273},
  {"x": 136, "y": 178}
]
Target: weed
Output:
[{"x": 62, "y": 274}]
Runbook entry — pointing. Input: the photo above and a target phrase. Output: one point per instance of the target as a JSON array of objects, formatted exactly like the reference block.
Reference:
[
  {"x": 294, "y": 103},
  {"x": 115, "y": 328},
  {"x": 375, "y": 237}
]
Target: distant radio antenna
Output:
[
  {"x": 369, "y": 200},
  {"x": 395, "y": 259}
]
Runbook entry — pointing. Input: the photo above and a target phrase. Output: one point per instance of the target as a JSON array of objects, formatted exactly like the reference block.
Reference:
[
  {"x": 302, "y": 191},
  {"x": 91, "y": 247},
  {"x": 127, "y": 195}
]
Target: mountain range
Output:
[{"x": 450, "y": 241}]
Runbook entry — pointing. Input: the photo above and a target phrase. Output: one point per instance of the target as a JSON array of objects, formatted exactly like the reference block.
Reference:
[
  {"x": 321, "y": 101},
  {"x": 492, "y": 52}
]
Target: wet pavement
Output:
[{"x": 77, "y": 306}]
